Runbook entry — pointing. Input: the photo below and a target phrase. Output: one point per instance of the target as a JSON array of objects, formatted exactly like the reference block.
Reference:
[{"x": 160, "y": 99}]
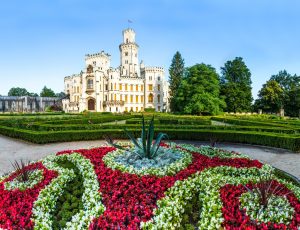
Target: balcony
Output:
[
  {"x": 113, "y": 103},
  {"x": 89, "y": 89}
]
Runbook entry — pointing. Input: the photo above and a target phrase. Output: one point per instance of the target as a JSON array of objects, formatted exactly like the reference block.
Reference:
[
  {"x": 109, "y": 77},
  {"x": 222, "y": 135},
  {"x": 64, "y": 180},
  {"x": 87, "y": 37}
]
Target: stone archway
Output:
[{"x": 91, "y": 104}]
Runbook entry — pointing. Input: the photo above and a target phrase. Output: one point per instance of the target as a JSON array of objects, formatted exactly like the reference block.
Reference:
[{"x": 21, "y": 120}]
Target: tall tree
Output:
[
  {"x": 17, "y": 91},
  {"x": 290, "y": 85},
  {"x": 199, "y": 91},
  {"x": 236, "y": 85},
  {"x": 270, "y": 97},
  {"x": 47, "y": 92},
  {"x": 176, "y": 72}
]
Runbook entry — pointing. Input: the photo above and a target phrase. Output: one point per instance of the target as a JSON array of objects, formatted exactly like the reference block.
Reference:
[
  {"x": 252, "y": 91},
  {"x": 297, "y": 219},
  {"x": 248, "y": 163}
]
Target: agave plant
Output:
[
  {"x": 145, "y": 146},
  {"x": 20, "y": 168}
]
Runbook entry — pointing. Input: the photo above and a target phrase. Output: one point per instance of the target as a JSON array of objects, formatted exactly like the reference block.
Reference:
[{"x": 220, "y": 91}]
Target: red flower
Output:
[
  {"x": 16, "y": 206},
  {"x": 236, "y": 218}
]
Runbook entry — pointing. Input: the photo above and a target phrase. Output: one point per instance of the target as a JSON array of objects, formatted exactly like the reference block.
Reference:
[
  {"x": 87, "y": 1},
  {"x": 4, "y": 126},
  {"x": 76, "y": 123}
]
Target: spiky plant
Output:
[
  {"x": 265, "y": 189},
  {"x": 145, "y": 146},
  {"x": 20, "y": 169}
]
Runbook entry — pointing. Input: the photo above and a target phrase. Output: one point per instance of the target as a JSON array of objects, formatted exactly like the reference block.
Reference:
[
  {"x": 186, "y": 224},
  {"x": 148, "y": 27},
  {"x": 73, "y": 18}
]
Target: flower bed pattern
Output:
[{"x": 122, "y": 199}]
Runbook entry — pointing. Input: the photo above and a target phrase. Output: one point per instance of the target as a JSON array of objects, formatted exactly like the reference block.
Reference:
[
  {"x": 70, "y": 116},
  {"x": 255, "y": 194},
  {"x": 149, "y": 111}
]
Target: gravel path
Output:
[{"x": 12, "y": 149}]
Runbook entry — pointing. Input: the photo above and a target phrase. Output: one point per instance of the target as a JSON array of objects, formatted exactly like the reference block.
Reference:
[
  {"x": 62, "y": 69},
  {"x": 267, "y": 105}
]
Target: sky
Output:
[{"x": 42, "y": 41}]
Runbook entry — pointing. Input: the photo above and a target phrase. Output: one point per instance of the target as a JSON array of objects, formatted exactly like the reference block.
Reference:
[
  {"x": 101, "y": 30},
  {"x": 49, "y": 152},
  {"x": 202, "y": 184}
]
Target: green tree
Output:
[
  {"x": 292, "y": 104},
  {"x": 47, "y": 92},
  {"x": 290, "y": 85},
  {"x": 199, "y": 91},
  {"x": 60, "y": 95},
  {"x": 176, "y": 72},
  {"x": 236, "y": 85},
  {"x": 270, "y": 97},
  {"x": 17, "y": 91}
]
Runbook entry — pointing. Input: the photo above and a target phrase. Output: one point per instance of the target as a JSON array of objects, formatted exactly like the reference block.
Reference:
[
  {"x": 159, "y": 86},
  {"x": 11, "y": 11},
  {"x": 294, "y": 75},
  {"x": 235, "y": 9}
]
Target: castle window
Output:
[
  {"x": 126, "y": 87},
  {"x": 115, "y": 86},
  {"x": 131, "y": 98},
  {"x": 131, "y": 87},
  {"x": 106, "y": 98},
  {"x": 126, "y": 61},
  {"x": 90, "y": 84},
  {"x": 150, "y": 78},
  {"x": 126, "y": 40},
  {"x": 137, "y": 87},
  {"x": 158, "y": 78},
  {"x": 120, "y": 86},
  {"x": 115, "y": 97},
  {"x": 106, "y": 87},
  {"x": 136, "y": 98},
  {"x": 142, "y": 98},
  {"x": 126, "y": 53},
  {"x": 126, "y": 98},
  {"x": 136, "y": 109},
  {"x": 158, "y": 108},
  {"x": 158, "y": 87},
  {"x": 142, "y": 88},
  {"x": 150, "y": 98},
  {"x": 158, "y": 98},
  {"x": 121, "y": 97},
  {"x": 94, "y": 63},
  {"x": 111, "y": 86},
  {"x": 150, "y": 87}
]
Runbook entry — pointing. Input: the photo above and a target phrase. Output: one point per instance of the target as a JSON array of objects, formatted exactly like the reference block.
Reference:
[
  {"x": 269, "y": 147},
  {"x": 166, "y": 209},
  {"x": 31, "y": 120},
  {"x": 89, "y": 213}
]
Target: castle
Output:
[{"x": 130, "y": 87}]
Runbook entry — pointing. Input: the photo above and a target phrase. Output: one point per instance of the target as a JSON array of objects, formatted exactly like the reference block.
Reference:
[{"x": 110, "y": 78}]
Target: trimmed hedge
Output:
[
  {"x": 268, "y": 139},
  {"x": 235, "y": 121},
  {"x": 48, "y": 127}
]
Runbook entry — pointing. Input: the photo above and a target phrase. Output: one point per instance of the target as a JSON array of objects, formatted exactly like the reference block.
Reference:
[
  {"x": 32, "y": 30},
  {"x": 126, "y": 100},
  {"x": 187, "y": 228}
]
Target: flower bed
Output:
[{"x": 204, "y": 188}]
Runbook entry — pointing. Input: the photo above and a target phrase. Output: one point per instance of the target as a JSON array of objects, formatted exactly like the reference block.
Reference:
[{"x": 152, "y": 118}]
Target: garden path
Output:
[{"x": 13, "y": 149}]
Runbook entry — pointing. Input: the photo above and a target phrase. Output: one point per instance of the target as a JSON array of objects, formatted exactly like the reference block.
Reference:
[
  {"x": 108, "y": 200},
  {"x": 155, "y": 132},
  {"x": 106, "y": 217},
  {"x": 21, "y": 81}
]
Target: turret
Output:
[{"x": 129, "y": 55}]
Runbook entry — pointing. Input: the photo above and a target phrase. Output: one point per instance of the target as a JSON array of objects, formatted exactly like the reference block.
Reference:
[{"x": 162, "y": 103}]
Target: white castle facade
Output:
[{"x": 130, "y": 87}]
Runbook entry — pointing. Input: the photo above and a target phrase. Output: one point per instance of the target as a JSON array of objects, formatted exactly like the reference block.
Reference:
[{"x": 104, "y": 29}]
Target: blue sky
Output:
[{"x": 43, "y": 41}]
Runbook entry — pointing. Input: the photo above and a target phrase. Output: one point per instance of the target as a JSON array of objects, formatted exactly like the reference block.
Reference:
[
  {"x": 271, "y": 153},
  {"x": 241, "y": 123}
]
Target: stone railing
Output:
[{"x": 113, "y": 103}]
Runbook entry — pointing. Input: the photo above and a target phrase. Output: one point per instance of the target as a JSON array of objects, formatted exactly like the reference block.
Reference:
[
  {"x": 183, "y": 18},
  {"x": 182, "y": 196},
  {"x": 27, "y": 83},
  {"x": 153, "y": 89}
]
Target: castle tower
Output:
[{"x": 129, "y": 54}]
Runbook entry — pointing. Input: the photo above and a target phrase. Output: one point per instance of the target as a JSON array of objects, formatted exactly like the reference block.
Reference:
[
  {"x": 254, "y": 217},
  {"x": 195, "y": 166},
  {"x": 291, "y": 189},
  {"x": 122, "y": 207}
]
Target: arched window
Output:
[
  {"x": 150, "y": 98},
  {"x": 90, "y": 84}
]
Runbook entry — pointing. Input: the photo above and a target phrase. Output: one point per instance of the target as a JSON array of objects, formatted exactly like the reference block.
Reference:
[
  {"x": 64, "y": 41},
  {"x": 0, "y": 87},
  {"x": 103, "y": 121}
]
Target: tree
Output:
[
  {"x": 290, "y": 85},
  {"x": 17, "y": 91},
  {"x": 292, "y": 104},
  {"x": 199, "y": 91},
  {"x": 236, "y": 85},
  {"x": 176, "y": 72},
  {"x": 47, "y": 92},
  {"x": 60, "y": 95},
  {"x": 270, "y": 97}
]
